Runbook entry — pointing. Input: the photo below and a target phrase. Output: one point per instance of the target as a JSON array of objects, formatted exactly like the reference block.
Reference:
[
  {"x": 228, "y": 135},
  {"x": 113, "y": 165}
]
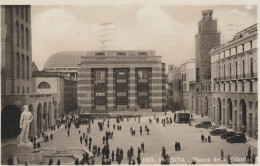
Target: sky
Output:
[{"x": 169, "y": 30}]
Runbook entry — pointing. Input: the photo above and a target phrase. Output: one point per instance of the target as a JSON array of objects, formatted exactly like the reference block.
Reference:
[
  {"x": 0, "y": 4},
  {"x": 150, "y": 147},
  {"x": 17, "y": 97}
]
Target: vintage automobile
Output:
[
  {"x": 218, "y": 131},
  {"x": 183, "y": 117},
  {"x": 206, "y": 124},
  {"x": 227, "y": 134},
  {"x": 237, "y": 138}
]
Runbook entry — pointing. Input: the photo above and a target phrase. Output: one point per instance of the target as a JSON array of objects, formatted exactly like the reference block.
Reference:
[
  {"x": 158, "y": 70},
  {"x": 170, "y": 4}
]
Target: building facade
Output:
[
  {"x": 188, "y": 76},
  {"x": 234, "y": 82},
  {"x": 207, "y": 38},
  {"x": 16, "y": 75},
  {"x": 121, "y": 80}
]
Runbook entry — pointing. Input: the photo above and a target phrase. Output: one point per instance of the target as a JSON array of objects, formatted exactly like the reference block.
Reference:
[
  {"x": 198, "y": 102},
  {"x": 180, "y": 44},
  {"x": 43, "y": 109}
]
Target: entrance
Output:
[
  {"x": 219, "y": 110},
  {"x": 10, "y": 121},
  {"x": 242, "y": 111}
]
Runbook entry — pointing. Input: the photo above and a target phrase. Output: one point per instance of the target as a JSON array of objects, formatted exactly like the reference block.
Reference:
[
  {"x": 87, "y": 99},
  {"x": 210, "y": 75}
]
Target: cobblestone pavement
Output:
[{"x": 188, "y": 136}]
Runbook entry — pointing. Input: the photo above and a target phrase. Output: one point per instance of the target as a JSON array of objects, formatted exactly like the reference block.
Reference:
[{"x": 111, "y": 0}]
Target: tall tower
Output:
[{"x": 207, "y": 38}]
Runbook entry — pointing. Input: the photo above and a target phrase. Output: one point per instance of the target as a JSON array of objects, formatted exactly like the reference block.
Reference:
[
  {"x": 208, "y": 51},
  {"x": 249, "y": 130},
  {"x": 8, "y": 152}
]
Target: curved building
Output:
[{"x": 65, "y": 63}]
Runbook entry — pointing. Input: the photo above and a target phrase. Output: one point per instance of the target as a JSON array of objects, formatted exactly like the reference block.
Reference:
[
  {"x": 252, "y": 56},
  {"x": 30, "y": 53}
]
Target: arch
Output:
[
  {"x": 50, "y": 115},
  {"x": 17, "y": 65},
  {"x": 27, "y": 38},
  {"x": 17, "y": 34},
  {"x": 229, "y": 111},
  {"x": 206, "y": 106},
  {"x": 243, "y": 115},
  {"x": 45, "y": 116},
  {"x": 27, "y": 68},
  {"x": 44, "y": 85},
  {"x": 10, "y": 121},
  {"x": 22, "y": 36},
  {"x": 219, "y": 110}
]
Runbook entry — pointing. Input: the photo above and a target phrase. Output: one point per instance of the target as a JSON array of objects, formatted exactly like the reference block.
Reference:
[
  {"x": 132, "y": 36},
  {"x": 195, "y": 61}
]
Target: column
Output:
[
  {"x": 110, "y": 90},
  {"x": 132, "y": 89}
]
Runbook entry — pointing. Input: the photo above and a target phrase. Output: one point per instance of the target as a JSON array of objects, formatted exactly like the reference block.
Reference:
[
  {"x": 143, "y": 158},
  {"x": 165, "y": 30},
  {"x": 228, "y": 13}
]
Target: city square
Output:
[{"x": 151, "y": 86}]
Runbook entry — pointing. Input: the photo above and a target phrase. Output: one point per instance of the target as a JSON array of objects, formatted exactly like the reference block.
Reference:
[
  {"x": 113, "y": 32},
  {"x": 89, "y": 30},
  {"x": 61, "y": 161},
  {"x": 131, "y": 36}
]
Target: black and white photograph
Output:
[{"x": 129, "y": 82}]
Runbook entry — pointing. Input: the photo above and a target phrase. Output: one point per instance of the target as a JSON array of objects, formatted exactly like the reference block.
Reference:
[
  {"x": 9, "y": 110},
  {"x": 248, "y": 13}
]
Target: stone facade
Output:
[
  {"x": 234, "y": 82},
  {"x": 121, "y": 80}
]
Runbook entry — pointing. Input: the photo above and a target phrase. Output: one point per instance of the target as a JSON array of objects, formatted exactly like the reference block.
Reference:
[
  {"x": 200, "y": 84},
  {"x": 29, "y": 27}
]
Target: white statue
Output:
[{"x": 25, "y": 120}]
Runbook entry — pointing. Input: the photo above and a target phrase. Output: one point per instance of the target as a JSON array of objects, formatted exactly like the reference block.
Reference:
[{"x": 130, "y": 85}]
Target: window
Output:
[
  {"x": 27, "y": 90},
  {"x": 100, "y": 93},
  {"x": 44, "y": 85},
  {"x": 224, "y": 87},
  {"x": 27, "y": 68},
  {"x": 121, "y": 81},
  {"x": 243, "y": 87},
  {"x": 251, "y": 65},
  {"x": 22, "y": 12},
  {"x": 17, "y": 65},
  {"x": 121, "y": 54},
  {"x": 27, "y": 39},
  {"x": 23, "y": 67},
  {"x": 17, "y": 35},
  {"x": 22, "y": 33},
  {"x": 243, "y": 47},
  {"x": 142, "y": 54},
  {"x": 243, "y": 68},
  {"x": 251, "y": 45},
  {"x": 229, "y": 69},
  {"x": 224, "y": 54},
  {"x": 27, "y": 13},
  {"x": 23, "y": 90},
  {"x": 121, "y": 93},
  {"x": 100, "y": 54},
  {"x": 17, "y": 10},
  {"x": 18, "y": 90},
  {"x": 236, "y": 68},
  {"x": 100, "y": 76},
  {"x": 224, "y": 70},
  {"x": 251, "y": 86},
  {"x": 142, "y": 74},
  {"x": 229, "y": 86},
  {"x": 235, "y": 87},
  {"x": 214, "y": 87},
  {"x": 219, "y": 71}
]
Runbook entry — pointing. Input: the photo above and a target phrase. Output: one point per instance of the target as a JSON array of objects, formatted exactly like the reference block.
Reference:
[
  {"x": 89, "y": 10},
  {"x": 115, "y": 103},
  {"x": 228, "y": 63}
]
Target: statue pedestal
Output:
[{"x": 25, "y": 153}]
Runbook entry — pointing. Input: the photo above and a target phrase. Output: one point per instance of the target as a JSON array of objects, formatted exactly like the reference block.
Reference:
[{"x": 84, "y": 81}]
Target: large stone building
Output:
[
  {"x": 207, "y": 38},
  {"x": 16, "y": 75},
  {"x": 188, "y": 77},
  {"x": 121, "y": 80},
  {"x": 234, "y": 82}
]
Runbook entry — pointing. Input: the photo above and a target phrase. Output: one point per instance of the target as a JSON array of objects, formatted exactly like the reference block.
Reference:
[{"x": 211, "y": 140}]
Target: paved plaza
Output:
[{"x": 188, "y": 136}]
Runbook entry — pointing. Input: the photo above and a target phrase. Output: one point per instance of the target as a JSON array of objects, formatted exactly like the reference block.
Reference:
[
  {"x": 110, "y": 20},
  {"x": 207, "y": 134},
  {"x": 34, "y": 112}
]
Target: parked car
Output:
[
  {"x": 206, "y": 124},
  {"x": 227, "y": 134},
  {"x": 218, "y": 131},
  {"x": 237, "y": 138}
]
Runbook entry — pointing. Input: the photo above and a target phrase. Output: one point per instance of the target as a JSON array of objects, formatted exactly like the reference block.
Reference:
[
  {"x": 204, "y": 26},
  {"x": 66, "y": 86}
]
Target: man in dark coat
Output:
[{"x": 142, "y": 146}]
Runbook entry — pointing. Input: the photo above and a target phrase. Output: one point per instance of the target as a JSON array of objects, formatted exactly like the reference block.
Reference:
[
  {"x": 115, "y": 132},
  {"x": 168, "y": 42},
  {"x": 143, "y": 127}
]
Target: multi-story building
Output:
[
  {"x": 16, "y": 75},
  {"x": 188, "y": 76},
  {"x": 65, "y": 63},
  {"x": 121, "y": 80},
  {"x": 207, "y": 38},
  {"x": 234, "y": 82}
]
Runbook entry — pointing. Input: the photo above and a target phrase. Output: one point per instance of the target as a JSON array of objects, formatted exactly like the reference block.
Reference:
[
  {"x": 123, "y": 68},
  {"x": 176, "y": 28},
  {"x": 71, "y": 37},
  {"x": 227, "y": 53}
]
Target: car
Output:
[
  {"x": 206, "y": 124},
  {"x": 237, "y": 138},
  {"x": 218, "y": 131},
  {"x": 227, "y": 134}
]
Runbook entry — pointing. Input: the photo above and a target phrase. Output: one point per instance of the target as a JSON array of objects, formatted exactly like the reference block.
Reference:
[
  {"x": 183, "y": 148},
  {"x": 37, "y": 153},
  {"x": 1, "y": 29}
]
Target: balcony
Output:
[{"x": 236, "y": 77}]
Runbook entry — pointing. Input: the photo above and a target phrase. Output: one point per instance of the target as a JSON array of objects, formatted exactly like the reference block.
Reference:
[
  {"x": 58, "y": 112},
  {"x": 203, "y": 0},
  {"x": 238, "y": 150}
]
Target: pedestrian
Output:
[
  {"x": 229, "y": 159},
  {"x": 138, "y": 160},
  {"x": 139, "y": 151},
  {"x": 77, "y": 161},
  {"x": 51, "y": 136},
  {"x": 84, "y": 135},
  {"x": 202, "y": 138},
  {"x": 34, "y": 145},
  {"x": 10, "y": 161},
  {"x": 104, "y": 138},
  {"x": 209, "y": 139},
  {"x": 50, "y": 161},
  {"x": 68, "y": 132},
  {"x": 133, "y": 162},
  {"x": 176, "y": 146},
  {"x": 253, "y": 159},
  {"x": 113, "y": 155},
  {"x": 80, "y": 139},
  {"x": 79, "y": 131},
  {"x": 86, "y": 141},
  {"x": 249, "y": 155},
  {"x": 38, "y": 145},
  {"x": 142, "y": 146},
  {"x": 114, "y": 126},
  {"x": 222, "y": 154},
  {"x": 141, "y": 130},
  {"x": 58, "y": 162},
  {"x": 179, "y": 146}
]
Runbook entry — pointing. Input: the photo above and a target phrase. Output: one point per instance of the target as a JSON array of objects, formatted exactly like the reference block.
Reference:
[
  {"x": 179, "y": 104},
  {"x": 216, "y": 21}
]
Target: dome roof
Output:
[{"x": 65, "y": 59}]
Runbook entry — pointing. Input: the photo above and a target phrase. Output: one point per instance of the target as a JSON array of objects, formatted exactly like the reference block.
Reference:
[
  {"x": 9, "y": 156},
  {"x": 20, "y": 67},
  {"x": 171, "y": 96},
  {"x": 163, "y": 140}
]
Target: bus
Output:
[{"x": 183, "y": 117}]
